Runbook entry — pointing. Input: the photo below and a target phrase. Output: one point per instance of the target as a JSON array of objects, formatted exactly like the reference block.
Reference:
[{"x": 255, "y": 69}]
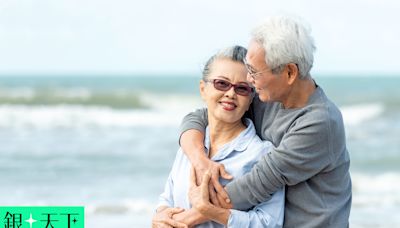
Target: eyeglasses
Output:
[
  {"x": 223, "y": 85},
  {"x": 253, "y": 73}
]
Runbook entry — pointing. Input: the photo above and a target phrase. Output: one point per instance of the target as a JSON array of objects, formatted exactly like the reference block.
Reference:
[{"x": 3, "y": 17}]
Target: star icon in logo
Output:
[{"x": 30, "y": 220}]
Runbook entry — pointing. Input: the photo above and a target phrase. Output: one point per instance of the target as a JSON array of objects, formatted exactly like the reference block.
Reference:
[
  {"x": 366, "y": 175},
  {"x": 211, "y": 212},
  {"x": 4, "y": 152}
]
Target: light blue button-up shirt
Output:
[{"x": 238, "y": 157}]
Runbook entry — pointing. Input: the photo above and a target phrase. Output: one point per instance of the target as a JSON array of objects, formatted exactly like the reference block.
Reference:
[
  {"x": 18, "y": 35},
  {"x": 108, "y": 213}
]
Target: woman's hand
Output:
[
  {"x": 163, "y": 218},
  {"x": 199, "y": 194},
  {"x": 200, "y": 199},
  {"x": 218, "y": 196}
]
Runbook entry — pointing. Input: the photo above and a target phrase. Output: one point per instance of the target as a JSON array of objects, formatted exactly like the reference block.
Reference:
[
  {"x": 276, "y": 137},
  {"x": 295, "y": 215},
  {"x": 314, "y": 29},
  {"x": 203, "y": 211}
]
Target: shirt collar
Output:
[{"x": 239, "y": 144}]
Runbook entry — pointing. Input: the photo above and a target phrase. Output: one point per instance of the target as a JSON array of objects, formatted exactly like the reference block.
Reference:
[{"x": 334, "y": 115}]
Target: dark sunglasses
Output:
[{"x": 223, "y": 85}]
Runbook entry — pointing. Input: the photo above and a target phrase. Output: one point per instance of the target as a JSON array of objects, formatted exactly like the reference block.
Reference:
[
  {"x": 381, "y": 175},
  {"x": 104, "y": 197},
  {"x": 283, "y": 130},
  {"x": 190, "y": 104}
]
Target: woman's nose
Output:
[{"x": 231, "y": 92}]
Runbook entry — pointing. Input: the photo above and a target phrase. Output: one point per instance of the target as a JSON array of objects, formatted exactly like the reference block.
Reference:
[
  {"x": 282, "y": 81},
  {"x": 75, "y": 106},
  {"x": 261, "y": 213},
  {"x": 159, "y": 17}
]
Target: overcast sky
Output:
[{"x": 177, "y": 36}]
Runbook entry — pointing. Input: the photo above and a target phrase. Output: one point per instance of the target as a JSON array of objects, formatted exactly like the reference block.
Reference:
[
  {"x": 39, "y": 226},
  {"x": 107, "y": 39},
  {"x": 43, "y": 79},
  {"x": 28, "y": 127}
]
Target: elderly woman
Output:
[{"x": 231, "y": 140}]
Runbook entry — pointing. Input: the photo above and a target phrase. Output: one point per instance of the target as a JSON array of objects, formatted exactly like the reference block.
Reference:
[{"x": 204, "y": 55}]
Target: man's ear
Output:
[{"x": 292, "y": 72}]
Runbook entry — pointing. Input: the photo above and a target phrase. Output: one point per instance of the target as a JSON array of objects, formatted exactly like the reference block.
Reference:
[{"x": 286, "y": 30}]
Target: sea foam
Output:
[
  {"x": 78, "y": 116},
  {"x": 359, "y": 113}
]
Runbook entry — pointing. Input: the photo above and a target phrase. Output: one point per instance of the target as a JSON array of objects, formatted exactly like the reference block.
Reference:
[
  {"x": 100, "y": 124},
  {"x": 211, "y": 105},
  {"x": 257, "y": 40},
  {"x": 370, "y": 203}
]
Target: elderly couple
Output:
[{"x": 269, "y": 150}]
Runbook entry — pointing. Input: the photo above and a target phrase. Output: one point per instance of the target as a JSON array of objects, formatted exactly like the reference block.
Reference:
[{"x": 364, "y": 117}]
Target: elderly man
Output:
[{"x": 309, "y": 156}]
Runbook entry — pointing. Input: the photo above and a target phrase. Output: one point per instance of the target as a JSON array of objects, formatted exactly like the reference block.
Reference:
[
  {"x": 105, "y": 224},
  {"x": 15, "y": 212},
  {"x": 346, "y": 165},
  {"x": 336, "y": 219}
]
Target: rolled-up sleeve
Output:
[
  {"x": 267, "y": 214},
  {"x": 166, "y": 198}
]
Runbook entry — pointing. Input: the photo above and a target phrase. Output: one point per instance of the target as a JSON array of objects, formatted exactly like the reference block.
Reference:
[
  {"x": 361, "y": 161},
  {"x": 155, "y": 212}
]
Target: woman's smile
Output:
[{"x": 227, "y": 105}]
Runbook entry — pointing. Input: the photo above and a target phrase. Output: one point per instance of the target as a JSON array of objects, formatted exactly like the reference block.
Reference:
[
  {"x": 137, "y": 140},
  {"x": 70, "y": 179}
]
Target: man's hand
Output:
[
  {"x": 223, "y": 202},
  {"x": 218, "y": 195},
  {"x": 163, "y": 219}
]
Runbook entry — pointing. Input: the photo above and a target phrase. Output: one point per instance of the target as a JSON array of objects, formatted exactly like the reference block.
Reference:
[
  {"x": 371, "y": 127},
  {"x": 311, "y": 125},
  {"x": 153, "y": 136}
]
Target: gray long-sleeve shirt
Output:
[{"x": 309, "y": 157}]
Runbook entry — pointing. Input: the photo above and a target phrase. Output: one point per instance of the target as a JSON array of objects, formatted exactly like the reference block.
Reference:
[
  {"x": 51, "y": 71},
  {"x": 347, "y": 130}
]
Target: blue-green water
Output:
[{"x": 108, "y": 142}]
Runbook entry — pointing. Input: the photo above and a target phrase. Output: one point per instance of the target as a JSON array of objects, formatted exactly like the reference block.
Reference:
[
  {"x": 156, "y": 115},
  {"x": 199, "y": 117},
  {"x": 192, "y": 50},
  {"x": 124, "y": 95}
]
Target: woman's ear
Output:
[
  {"x": 202, "y": 87},
  {"x": 251, "y": 101}
]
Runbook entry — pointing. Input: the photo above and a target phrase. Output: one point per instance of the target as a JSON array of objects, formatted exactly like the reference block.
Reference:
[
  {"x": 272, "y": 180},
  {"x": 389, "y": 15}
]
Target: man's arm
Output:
[
  {"x": 192, "y": 144},
  {"x": 303, "y": 152},
  {"x": 191, "y": 139}
]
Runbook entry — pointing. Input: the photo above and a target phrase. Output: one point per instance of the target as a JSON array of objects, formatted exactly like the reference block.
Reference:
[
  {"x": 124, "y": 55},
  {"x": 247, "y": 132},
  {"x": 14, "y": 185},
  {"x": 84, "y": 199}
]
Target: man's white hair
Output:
[{"x": 286, "y": 40}]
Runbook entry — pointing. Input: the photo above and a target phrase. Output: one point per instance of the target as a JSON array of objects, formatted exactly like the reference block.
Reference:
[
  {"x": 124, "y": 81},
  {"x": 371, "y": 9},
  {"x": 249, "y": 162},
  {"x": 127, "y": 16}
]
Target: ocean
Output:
[{"x": 108, "y": 142}]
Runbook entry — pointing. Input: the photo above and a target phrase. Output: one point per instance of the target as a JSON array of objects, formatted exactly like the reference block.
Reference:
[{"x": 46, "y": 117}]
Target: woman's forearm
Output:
[
  {"x": 161, "y": 208},
  {"x": 190, "y": 217},
  {"x": 217, "y": 214}
]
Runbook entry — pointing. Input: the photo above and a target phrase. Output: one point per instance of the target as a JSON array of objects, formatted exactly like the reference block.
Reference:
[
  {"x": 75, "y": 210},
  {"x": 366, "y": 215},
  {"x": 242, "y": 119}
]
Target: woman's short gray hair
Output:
[
  {"x": 286, "y": 40},
  {"x": 235, "y": 53}
]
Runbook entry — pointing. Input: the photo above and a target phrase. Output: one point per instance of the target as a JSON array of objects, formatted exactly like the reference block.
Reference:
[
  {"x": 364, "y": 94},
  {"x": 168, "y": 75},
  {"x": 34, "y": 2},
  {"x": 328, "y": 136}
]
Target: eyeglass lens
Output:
[{"x": 223, "y": 85}]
